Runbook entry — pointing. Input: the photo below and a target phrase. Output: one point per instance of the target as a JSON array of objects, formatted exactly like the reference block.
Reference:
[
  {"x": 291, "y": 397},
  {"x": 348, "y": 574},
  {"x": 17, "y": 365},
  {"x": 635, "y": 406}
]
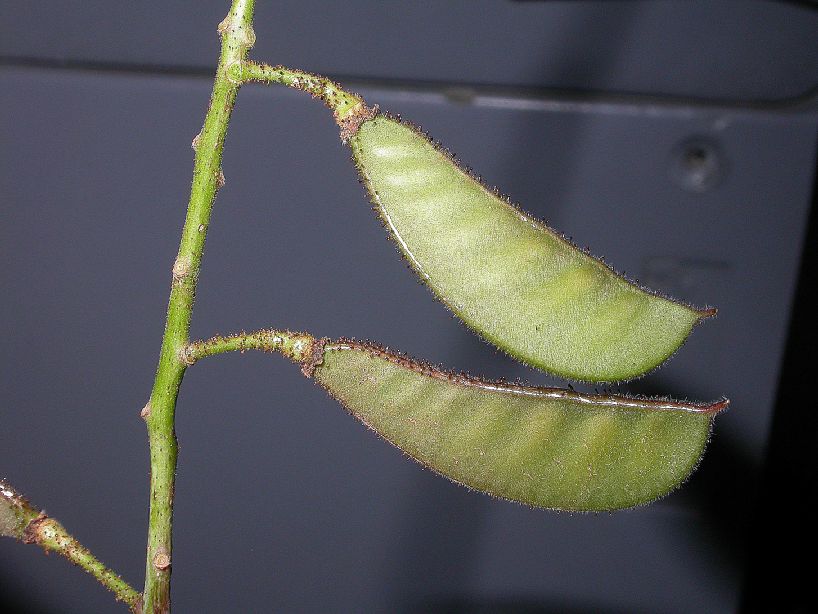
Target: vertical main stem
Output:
[{"x": 237, "y": 37}]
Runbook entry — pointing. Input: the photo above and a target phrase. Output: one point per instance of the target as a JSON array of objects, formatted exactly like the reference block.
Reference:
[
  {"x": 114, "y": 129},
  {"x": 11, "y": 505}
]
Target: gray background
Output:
[{"x": 580, "y": 111}]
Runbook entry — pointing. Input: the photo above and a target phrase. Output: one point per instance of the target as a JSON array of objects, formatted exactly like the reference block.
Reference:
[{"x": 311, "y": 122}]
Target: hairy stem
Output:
[
  {"x": 21, "y": 520},
  {"x": 348, "y": 109},
  {"x": 237, "y": 37},
  {"x": 295, "y": 346}
]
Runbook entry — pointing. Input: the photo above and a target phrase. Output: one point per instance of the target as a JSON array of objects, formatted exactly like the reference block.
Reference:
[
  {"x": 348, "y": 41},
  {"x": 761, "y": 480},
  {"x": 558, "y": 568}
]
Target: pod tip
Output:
[
  {"x": 707, "y": 313},
  {"x": 716, "y": 407}
]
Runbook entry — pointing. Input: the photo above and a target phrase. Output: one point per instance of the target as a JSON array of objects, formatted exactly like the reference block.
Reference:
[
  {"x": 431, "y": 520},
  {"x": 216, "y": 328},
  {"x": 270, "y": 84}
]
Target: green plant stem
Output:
[
  {"x": 237, "y": 37},
  {"x": 21, "y": 520},
  {"x": 333, "y": 95},
  {"x": 295, "y": 346},
  {"x": 348, "y": 109}
]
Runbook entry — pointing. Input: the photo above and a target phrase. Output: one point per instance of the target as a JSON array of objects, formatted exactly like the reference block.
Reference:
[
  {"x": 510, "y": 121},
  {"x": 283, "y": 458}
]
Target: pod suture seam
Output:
[
  {"x": 541, "y": 448},
  {"x": 427, "y": 369}
]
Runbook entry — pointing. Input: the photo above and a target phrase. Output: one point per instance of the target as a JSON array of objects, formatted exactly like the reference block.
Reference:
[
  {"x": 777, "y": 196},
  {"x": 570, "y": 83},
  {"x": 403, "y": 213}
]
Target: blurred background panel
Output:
[
  {"x": 676, "y": 139},
  {"x": 728, "y": 49}
]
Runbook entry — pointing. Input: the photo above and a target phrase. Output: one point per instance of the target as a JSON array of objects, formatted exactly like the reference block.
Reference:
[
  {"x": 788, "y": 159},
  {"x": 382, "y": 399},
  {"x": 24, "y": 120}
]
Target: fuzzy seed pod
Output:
[
  {"x": 516, "y": 282},
  {"x": 544, "y": 447}
]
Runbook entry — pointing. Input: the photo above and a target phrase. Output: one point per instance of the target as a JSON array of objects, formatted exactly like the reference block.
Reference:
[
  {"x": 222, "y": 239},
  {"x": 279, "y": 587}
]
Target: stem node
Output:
[
  {"x": 21, "y": 520},
  {"x": 181, "y": 269},
  {"x": 239, "y": 29},
  {"x": 161, "y": 560},
  {"x": 186, "y": 355},
  {"x": 233, "y": 72}
]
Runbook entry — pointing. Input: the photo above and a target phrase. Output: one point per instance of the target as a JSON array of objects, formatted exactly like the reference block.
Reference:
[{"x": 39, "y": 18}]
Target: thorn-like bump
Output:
[
  {"x": 38, "y": 530},
  {"x": 181, "y": 269},
  {"x": 146, "y": 411},
  {"x": 219, "y": 179},
  {"x": 249, "y": 36},
  {"x": 224, "y": 24},
  {"x": 196, "y": 140},
  {"x": 161, "y": 560}
]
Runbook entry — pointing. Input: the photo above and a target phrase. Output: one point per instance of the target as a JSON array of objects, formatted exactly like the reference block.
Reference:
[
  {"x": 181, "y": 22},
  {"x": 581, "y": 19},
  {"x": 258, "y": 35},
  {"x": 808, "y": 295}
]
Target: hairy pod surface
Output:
[
  {"x": 513, "y": 280},
  {"x": 544, "y": 447}
]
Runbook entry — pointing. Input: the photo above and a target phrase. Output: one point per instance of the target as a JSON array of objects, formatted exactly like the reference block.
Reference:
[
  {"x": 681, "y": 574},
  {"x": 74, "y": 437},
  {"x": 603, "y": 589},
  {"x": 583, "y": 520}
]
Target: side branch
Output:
[
  {"x": 21, "y": 520},
  {"x": 348, "y": 109},
  {"x": 295, "y": 346}
]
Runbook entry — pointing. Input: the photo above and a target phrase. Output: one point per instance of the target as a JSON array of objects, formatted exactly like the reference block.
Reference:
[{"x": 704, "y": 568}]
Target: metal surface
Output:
[{"x": 731, "y": 49}]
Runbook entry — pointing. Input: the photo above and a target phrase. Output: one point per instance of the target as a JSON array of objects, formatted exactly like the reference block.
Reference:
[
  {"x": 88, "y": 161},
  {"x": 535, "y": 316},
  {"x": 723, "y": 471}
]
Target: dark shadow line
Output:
[
  {"x": 464, "y": 92},
  {"x": 778, "y": 576}
]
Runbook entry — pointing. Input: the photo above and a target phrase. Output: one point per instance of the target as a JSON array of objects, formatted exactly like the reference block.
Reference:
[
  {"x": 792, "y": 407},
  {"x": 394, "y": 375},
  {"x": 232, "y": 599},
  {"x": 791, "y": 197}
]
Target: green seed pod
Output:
[
  {"x": 509, "y": 277},
  {"x": 545, "y": 447}
]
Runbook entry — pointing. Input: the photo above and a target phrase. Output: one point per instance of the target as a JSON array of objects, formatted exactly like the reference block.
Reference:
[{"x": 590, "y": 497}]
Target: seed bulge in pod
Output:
[
  {"x": 509, "y": 277},
  {"x": 545, "y": 447}
]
